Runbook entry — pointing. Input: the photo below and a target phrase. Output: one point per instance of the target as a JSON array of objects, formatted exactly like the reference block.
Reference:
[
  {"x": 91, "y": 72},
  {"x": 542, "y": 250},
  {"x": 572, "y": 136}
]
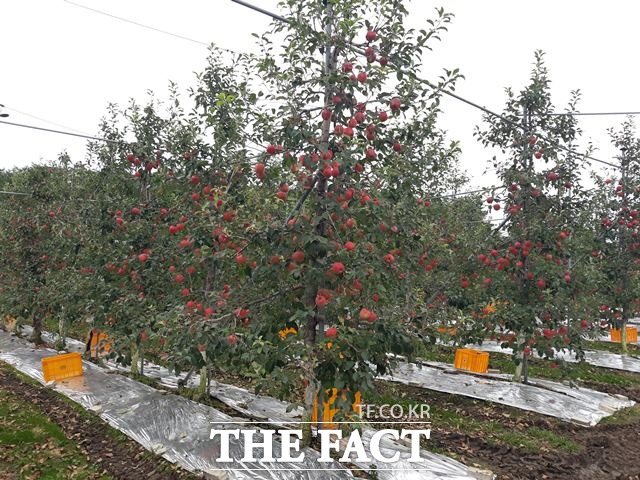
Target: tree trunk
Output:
[
  {"x": 204, "y": 382},
  {"x": 61, "y": 341},
  {"x": 36, "y": 336},
  {"x": 135, "y": 359}
]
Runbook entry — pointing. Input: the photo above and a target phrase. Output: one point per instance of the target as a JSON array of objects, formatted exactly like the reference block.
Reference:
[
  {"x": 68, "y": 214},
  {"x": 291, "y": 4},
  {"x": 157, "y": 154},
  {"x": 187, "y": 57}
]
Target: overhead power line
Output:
[
  {"x": 45, "y": 120},
  {"x": 578, "y": 114},
  {"x": 149, "y": 27},
  {"x": 61, "y": 132},
  {"x": 445, "y": 92}
]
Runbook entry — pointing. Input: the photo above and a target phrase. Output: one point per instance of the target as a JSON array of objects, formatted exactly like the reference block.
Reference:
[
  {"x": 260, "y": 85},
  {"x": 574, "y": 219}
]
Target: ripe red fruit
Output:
[
  {"x": 362, "y": 77},
  {"x": 532, "y": 140},
  {"x": 384, "y": 61},
  {"x": 464, "y": 283},
  {"x": 489, "y": 199},
  {"x": 275, "y": 260},
  {"x": 538, "y": 154},
  {"x": 382, "y": 116},
  {"x": 365, "y": 314},
  {"x": 350, "y": 223},
  {"x": 241, "y": 259},
  {"x": 195, "y": 197},
  {"x": 332, "y": 332},
  {"x": 143, "y": 257},
  {"x": 173, "y": 229},
  {"x": 326, "y": 114},
  {"x": 321, "y": 300},
  {"x": 349, "y": 246},
  {"x": 389, "y": 259},
  {"x": 297, "y": 256},
  {"x": 260, "y": 173},
  {"x": 371, "y": 154},
  {"x": 271, "y": 149},
  {"x": 131, "y": 157},
  {"x": 397, "y": 147},
  {"x": 496, "y": 206},
  {"x": 119, "y": 220},
  {"x": 347, "y": 67},
  {"x": 179, "y": 278},
  {"x": 281, "y": 195},
  {"x": 552, "y": 176},
  {"x": 395, "y": 103},
  {"x": 185, "y": 292},
  {"x": 371, "y": 35},
  {"x": 358, "y": 168},
  {"x": 232, "y": 340},
  {"x": 195, "y": 179},
  {"x": 228, "y": 216},
  {"x": 135, "y": 211},
  {"x": 541, "y": 284},
  {"x": 338, "y": 268}
]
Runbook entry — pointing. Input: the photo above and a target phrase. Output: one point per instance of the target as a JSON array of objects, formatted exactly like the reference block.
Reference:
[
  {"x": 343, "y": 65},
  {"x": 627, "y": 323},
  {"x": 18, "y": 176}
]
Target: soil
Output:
[
  {"x": 605, "y": 453},
  {"x": 121, "y": 458}
]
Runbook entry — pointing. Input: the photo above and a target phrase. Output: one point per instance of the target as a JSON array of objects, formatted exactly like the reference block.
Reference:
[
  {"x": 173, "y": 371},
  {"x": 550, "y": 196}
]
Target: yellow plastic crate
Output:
[
  {"x": 99, "y": 344},
  {"x": 471, "y": 360},
  {"x": 328, "y": 412},
  {"x": 448, "y": 330},
  {"x": 632, "y": 335},
  {"x": 62, "y": 366}
]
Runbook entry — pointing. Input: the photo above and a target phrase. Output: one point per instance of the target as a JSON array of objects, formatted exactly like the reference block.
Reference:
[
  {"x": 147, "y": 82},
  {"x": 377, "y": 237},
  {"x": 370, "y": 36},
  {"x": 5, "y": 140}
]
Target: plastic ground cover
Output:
[
  {"x": 267, "y": 409},
  {"x": 577, "y": 405},
  {"x": 598, "y": 358},
  {"x": 169, "y": 425}
]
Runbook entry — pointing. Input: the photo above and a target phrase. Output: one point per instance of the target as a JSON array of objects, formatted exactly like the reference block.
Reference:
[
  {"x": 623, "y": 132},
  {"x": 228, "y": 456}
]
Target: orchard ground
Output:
[{"x": 514, "y": 444}]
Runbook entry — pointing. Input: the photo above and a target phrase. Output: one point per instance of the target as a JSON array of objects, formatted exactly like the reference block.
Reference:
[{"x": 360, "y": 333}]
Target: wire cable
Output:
[
  {"x": 61, "y": 132},
  {"x": 446, "y": 92},
  {"x": 149, "y": 27}
]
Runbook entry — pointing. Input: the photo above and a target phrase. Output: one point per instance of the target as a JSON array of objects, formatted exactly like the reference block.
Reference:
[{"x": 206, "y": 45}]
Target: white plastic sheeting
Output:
[
  {"x": 169, "y": 425},
  {"x": 577, "y": 405},
  {"x": 628, "y": 363},
  {"x": 259, "y": 407}
]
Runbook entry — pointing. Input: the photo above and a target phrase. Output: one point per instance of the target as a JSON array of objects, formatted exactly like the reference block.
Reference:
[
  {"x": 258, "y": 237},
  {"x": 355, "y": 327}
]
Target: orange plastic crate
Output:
[
  {"x": 632, "y": 335},
  {"x": 328, "y": 412},
  {"x": 99, "y": 343},
  {"x": 62, "y": 366},
  {"x": 448, "y": 330},
  {"x": 471, "y": 360}
]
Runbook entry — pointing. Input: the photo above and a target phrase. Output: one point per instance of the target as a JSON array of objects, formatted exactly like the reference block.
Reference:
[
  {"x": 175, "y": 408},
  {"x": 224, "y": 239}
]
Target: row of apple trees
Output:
[{"x": 292, "y": 218}]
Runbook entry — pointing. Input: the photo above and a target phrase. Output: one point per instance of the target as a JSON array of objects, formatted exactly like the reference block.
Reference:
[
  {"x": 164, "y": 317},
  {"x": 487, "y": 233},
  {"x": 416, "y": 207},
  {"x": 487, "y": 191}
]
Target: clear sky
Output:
[{"x": 63, "y": 63}]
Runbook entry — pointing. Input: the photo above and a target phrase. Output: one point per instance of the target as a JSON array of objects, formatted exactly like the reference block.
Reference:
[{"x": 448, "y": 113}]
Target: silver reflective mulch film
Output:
[
  {"x": 577, "y": 405},
  {"x": 598, "y": 358},
  {"x": 169, "y": 425},
  {"x": 181, "y": 432}
]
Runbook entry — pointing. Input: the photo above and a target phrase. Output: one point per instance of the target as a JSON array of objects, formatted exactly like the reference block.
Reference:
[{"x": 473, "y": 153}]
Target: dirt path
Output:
[
  {"x": 603, "y": 452},
  {"x": 112, "y": 453}
]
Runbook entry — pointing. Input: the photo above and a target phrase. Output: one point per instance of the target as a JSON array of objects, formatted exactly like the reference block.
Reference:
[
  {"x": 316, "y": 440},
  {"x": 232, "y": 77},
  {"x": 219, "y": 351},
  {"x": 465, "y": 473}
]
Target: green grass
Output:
[
  {"x": 632, "y": 348},
  {"x": 623, "y": 417},
  {"x": 32, "y": 447}
]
